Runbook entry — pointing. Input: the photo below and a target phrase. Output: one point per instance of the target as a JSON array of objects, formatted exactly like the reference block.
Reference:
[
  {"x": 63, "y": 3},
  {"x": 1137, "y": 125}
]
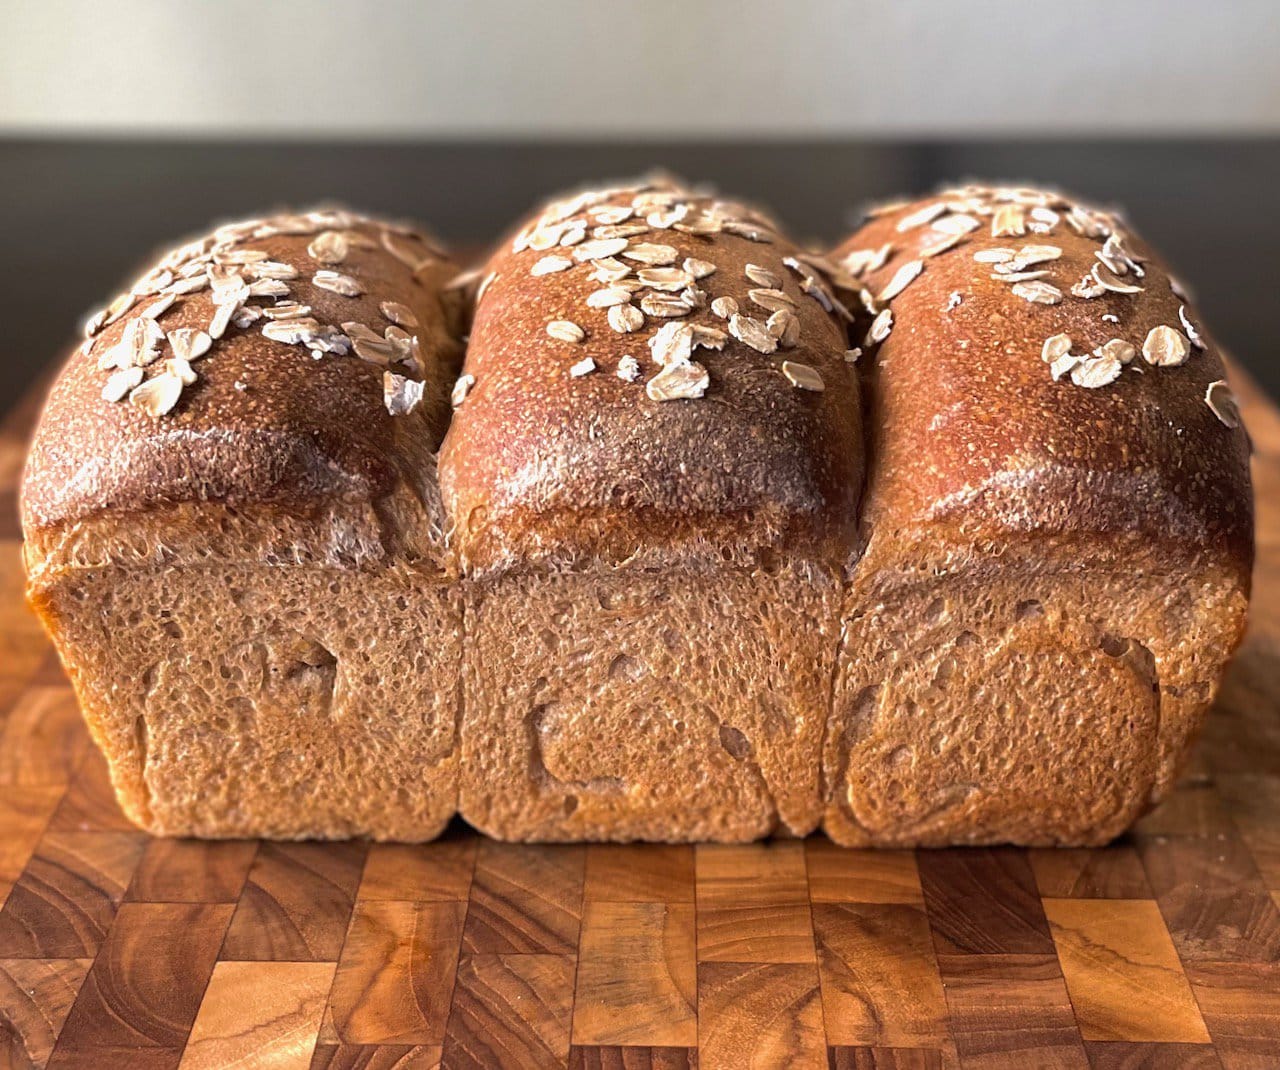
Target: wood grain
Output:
[
  {"x": 1241, "y": 1007},
  {"x": 1127, "y": 1055},
  {"x": 983, "y": 901},
  {"x": 637, "y": 976},
  {"x": 420, "y": 872},
  {"x": 395, "y": 981},
  {"x": 1122, "y": 972},
  {"x": 1102, "y": 873},
  {"x": 296, "y": 903},
  {"x": 1160, "y": 952},
  {"x": 375, "y": 1057},
  {"x": 753, "y": 903},
  {"x": 192, "y": 871},
  {"x": 842, "y": 875},
  {"x": 1011, "y": 1011},
  {"x": 1213, "y": 899},
  {"x": 510, "y": 1011},
  {"x": 633, "y": 1059},
  {"x": 64, "y": 903},
  {"x": 759, "y": 1015},
  {"x": 42, "y": 739},
  {"x": 525, "y": 899},
  {"x": 23, "y": 818},
  {"x": 640, "y": 873},
  {"x": 880, "y": 985},
  {"x": 35, "y": 997},
  {"x": 862, "y": 1058},
  {"x": 259, "y": 1014},
  {"x": 145, "y": 987},
  {"x": 90, "y": 803}
]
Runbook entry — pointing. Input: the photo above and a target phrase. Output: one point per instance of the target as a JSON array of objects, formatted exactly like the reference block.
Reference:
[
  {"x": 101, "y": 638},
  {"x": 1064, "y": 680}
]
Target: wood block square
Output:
[
  {"x": 1011, "y": 1010},
  {"x": 1113, "y": 872},
  {"x": 510, "y": 1011},
  {"x": 192, "y": 871},
  {"x": 753, "y": 903},
  {"x": 1213, "y": 899},
  {"x": 35, "y": 997},
  {"x": 259, "y": 1014},
  {"x": 439, "y": 871},
  {"x": 636, "y": 873},
  {"x": 1241, "y": 1006},
  {"x": 848, "y": 875},
  {"x": 146, "y": 984},
  {"x": 880, "y": 985},
  {"x": 759, "y": 1014},
  {"x": 65, "y": 900},
  {"x": 628, "y": 1058},
  {"x": 983, "y": 901},
  {"x": 525, "y": 900},
  {"x": 395, "y": 981}
]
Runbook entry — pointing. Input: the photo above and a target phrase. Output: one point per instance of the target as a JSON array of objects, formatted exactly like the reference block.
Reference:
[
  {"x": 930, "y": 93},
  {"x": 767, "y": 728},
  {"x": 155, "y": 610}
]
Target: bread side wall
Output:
[
  {"x": 286, "y": 701},
  {"x": 1026, "y": 692}
]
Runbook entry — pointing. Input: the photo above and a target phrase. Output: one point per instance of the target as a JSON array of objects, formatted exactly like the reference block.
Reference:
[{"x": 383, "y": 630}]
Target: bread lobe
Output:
[
  {"x": 539, "y": 461},
  {"x": 265, "y": 420}
]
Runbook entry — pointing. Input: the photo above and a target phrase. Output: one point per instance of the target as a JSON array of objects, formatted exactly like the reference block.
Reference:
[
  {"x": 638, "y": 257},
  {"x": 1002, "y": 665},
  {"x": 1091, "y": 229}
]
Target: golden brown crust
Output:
[
  {"x": 540, "y": 461},
  {"x": 265, "y": 420},
  {"x": 970, "y": 430}
]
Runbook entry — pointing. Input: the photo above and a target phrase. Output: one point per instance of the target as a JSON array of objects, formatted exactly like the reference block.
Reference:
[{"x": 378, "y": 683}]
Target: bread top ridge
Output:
[
  {"x": 1036, "y": 369},
  {"x": 652, "y": 371},
  {"x": 297, "y": 364}
]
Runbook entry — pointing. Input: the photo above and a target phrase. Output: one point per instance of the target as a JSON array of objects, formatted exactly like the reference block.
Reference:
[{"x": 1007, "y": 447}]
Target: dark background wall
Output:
[{"x": 80, "y": 217}]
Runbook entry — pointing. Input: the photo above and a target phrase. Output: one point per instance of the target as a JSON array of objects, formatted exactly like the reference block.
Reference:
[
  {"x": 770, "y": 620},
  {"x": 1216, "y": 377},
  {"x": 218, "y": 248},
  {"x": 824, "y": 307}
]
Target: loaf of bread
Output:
[
  {"x": 1058, "y": 528},
  {"x": 238, "y": 549},
  {"x": 652, "y": 480},
  {"x": 942, "y": 538}
]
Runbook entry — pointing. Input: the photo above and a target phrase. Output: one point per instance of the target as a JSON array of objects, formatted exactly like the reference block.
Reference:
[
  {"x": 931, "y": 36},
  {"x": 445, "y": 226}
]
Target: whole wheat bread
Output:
[{"x": 650, "y": 596}]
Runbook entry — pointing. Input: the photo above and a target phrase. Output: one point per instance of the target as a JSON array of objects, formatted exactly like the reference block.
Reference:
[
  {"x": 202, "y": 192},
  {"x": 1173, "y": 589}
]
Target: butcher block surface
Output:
[{"x": 117, "y": 949}]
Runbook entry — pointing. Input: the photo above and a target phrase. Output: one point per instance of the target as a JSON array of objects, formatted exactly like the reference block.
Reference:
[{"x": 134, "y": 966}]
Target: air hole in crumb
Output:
[
  {"x": 1114, "y": 646},
  {"x": 171, "y": 629},
  {"x": 570, "y": 804},
  {"x": 625, "y": 667},
  {"x": 733, "y": 741},
  {"x": 935, "y": 610},
  {"x": 946, "y": 670},
  {"x": 965, "y": 639},
  {"x": 1029, "y": 610},
  {"x": 900, "y": 757}
]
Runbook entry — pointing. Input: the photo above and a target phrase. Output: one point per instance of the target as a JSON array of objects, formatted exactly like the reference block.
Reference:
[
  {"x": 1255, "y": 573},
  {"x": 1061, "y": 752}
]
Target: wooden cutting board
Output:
[{"x": 120, "y": 950}]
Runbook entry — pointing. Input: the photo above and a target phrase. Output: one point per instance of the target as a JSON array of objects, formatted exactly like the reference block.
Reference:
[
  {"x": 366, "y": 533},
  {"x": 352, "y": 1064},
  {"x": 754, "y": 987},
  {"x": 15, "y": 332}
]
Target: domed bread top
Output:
[
  {"x": 651, "y": 367},
  {"x": 1037, "y": 369},
  {"x": 262, "y": 362}
]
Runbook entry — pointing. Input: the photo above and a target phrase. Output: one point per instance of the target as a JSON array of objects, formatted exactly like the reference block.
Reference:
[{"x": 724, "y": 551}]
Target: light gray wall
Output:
[{"x": 608, "y": 68}]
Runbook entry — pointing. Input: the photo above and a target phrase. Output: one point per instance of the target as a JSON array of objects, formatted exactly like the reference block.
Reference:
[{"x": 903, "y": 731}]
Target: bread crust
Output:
[
  {"x": 970, "y": 429},
  {"x": 541, "y": 463},
  {"x": 266, "y": 421}
]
